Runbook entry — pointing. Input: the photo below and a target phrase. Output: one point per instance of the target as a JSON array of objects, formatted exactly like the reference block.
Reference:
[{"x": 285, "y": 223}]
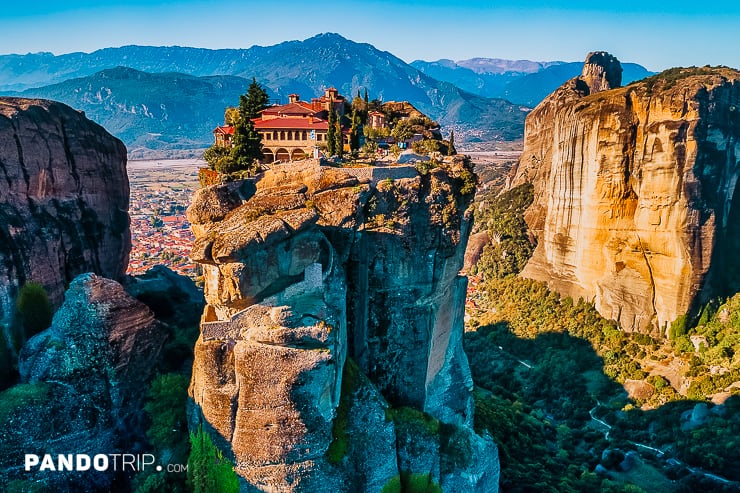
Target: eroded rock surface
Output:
[
  {"x": 64, "y": 198},
  {"x": 634, "y": 191},
  {"x": 311, "y": 266},
  {"x": 86, "y": 373}
]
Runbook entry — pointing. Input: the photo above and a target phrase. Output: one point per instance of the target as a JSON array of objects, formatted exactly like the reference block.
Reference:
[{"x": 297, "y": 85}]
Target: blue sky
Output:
[{"x": 656, "y": 34}]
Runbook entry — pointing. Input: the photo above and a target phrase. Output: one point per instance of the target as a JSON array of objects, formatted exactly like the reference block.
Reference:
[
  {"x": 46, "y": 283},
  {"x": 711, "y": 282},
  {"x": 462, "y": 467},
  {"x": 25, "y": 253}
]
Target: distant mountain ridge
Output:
[
  {"x": 193, "y": 85},
  {"x": 519, "y": 81},
  {"x": 305, "y": 67},
  {"x": 150, "y": 110}
]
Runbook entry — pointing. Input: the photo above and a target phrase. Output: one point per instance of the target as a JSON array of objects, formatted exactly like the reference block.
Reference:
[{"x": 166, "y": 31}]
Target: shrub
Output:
[
  {"x": 34, "y": 308},
  {"x": 208, "y": 177},
  {"x": 418, "y": 483},
  {"x": 166, "y": 401},
  {"x": 208, "y": 470},
  {"x": 21, "y": 396},
  {"x": 350, "y": 381}
]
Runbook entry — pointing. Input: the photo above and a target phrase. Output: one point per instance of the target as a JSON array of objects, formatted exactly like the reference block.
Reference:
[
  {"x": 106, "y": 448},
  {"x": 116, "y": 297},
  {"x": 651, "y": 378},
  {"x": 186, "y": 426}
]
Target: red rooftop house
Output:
[
  {"x": 293, "y": 131},
  {"x": 223, "y": 135}
]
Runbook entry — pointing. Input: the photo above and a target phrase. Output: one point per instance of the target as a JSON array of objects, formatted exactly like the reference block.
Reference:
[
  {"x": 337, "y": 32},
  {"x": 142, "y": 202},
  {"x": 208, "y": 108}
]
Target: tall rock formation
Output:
[
  {"x": 635, "y": 205},
  {"x": 333, "y": 300},
  {"x": 63, "y": 199}
]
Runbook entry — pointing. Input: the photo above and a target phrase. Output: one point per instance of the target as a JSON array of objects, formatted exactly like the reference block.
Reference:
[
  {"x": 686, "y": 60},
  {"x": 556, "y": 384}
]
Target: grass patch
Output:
[
  {"x": 350, "y": 381},
  {"x": 412, "y": 420},
  {"x": 20, "y": 396},
  {"x": 418, "y": 483}
]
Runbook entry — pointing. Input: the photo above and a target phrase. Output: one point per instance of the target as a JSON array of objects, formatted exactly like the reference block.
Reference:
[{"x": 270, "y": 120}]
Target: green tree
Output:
[
  {"x": 253, "y": 102},
  {"x": 354, "y": 132},
  {"x": 166, "y": 402},
  {"x": 451, "y": 151},
  {"x": 403, "y": 130},
  {"x": 34, "y": 308},
  {"x": 231, "y": 115},
  {"x": 247, "y": 142},
  {"x": 208, "y": 470},
  {"x": 338, "y": 136},
  {"x": 331, "y": 137}
]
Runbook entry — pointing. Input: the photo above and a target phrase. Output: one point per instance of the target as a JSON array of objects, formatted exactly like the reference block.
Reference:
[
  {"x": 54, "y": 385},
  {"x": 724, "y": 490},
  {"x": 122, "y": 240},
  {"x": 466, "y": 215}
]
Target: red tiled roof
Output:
[
  {"x": 292, "y": 123},
  {"x": 289, "y": 109},
  {"x": 226, "y": 129}
]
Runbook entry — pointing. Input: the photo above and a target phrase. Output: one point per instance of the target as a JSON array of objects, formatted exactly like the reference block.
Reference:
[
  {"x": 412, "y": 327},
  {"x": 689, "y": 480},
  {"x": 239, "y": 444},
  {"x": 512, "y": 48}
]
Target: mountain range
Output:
[
  {"x": 172, "y": 97},
  {"x": 519, "y": 81}
]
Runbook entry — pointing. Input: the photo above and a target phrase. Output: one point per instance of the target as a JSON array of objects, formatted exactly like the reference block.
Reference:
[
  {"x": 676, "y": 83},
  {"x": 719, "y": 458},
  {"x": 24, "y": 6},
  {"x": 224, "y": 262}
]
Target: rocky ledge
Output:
[{"x": 333, "y": 328}]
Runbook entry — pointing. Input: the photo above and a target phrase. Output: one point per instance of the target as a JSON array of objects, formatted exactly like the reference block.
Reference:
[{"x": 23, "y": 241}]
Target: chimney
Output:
[{"x": 293, "y": 98}]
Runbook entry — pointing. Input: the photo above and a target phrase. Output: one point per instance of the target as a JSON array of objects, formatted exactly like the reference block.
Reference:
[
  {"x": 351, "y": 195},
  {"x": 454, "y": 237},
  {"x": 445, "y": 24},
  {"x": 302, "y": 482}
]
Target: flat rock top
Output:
[{"x": 10, "y": 106}]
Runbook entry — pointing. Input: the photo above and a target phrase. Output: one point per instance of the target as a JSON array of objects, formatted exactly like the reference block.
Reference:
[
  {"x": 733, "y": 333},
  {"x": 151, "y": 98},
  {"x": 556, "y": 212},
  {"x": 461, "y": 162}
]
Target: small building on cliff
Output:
[{"x": 293, "y": 131}]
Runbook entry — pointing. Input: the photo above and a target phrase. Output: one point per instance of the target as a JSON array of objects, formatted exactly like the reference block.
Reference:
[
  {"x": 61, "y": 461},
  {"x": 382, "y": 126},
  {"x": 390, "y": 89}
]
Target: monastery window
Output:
[
  {"x": 304, "y": 136},
  {"x": 282, "y": 135}
]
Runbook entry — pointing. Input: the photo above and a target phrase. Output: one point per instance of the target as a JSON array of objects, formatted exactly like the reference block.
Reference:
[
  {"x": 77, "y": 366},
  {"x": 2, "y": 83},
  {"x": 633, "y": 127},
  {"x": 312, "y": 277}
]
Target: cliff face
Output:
[
  {"x": 63, "y": 199},
  {"x": 635, "y": 190},
  {"x": 305, "y": 267}
]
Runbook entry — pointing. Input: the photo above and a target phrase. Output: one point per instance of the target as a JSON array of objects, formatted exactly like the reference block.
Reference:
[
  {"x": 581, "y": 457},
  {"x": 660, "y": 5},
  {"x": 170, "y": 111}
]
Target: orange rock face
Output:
[
  {"x": 306, "y": 266},
  {"x": 634, "y": 192}
]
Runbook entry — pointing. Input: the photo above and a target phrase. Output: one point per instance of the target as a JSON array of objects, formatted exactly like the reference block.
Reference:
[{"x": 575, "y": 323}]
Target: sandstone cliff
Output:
[
  {"x": 309, "y": 269},
  {"x": 634, "y": 188},
  {"x": 63, "y": 199}
]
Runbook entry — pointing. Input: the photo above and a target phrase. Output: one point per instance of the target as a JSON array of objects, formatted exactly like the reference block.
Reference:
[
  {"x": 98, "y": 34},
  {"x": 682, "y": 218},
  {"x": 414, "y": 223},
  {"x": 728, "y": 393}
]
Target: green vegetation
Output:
[
  {"x": 668, "y": 78},
  {"x": 351, "y": 376},
  {"x": 20, "y": 396},
  {"x": 392, "y": 486},
  {"x": 34, "y": 309},
  {"x": 544, "y": 364},
  {"x": 208, "y": 470},
  {"x": 418, "y": 483},
  {"x": 166, "y": 402},
  {"x": 503, "y": 218},
  {"x": 408, "y": 482},
  {"x": 246, "y": 149},
  {"x": 412, "y": 421},
  {"x": 334, "y": 143}
]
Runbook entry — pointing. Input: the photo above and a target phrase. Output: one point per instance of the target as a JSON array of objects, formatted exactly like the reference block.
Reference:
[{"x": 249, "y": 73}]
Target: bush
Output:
[
  {"x": 208, "y": 470},
  {"x": 20, "y": 396},
  {"x": 166, "y": 406},
  {"x": 34, "y": 308},
  {"x": 217, "y": 157},
  {"x": 418, "y": 483},
  {"x": 208, "y": 177},
  {"x": 392, "y": 486}
]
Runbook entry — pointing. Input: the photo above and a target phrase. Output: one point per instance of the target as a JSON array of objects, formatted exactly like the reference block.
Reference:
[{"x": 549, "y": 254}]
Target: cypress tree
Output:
[
  {"x": 331, "y": 143},
  {"x": 247, "y": 143},
  {"x": 338, "y": 136},
  {"x": 451, "y": 151},
  {"x": 354, "y": 132}
]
